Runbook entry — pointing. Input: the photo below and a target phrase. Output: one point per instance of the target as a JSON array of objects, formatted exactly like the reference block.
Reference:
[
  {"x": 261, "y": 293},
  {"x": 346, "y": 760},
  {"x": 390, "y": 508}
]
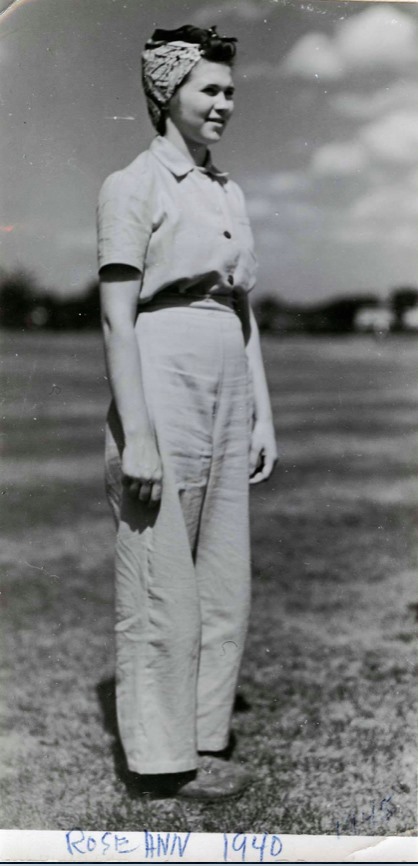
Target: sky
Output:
[{"x": 324, "y": 139}]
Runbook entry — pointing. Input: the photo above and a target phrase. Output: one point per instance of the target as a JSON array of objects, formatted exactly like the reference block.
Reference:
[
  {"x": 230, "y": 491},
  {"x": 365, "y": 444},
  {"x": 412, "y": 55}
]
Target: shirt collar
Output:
[{"x": 179, "y": 164}]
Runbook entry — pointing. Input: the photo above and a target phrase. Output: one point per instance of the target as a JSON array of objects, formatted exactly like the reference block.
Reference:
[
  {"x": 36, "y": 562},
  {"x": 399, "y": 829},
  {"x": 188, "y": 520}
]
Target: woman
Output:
[{"x": 189, "y": 422}]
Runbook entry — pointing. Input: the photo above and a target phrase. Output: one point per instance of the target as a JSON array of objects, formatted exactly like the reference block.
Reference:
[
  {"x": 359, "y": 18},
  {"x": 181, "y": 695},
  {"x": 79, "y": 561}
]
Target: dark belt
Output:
[{"x": 185, "y": 299}]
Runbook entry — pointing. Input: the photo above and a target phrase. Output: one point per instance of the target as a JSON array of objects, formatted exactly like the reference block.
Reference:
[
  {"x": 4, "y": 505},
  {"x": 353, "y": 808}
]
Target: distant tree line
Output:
[
  {"x": 24, "y": 305},
  {"x": 336, "y": 316}
]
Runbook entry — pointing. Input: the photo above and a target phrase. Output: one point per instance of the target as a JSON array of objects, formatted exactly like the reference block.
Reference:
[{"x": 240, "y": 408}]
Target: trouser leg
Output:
[{"x": 223, "y": 554}]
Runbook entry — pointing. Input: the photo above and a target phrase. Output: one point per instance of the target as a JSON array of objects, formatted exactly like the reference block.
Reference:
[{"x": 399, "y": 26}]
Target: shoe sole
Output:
[
  {"x": 221, "y": 795},
  {"x": 206, "y": 798},
  {"x": 210, "y": 798}
]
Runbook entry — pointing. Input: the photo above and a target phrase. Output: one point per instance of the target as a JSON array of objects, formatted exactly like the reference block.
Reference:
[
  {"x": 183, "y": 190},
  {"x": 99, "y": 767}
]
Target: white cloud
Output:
[
  {"x": 392, "y": 204},
  {"x": 389, "y": 141},
  {"x": 393, "y": 138},
  {"x": 387, "y": 214},
  {"x": 379, "y": 38},
  {"x": 339, "y": 159},
  {"x": 360, "y": 106},
  {"x": 313, "y": 56},
  {"x": 368, "y": 233},
  {"x": 386, "y": 217}
]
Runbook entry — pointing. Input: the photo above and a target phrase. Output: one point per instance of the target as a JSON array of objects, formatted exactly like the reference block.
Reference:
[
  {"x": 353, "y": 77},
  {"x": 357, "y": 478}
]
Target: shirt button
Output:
[
  {"x": 231, "y": 280},
  {"x": 227, "y": 235}
]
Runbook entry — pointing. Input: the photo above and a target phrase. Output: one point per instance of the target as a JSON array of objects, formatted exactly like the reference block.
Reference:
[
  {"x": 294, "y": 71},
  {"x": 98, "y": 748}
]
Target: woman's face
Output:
[{"x": 203, "y": 104}]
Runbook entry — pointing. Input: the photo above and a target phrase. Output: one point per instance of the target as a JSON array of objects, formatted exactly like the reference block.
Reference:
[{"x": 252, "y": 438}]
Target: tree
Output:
[
  {"x": 401, "y": 300},
  {"x": 18, "y": 292},
  {"x": 266, "y": 310},
  {"x": 337, "y": 316},
  {"x": 91, "y": 306}
]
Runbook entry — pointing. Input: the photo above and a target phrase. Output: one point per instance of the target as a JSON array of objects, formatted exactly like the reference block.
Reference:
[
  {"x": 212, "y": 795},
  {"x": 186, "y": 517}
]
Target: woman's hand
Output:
[
  {"x": 142, "y": 469},
  {"x": 263, "y": 455}
]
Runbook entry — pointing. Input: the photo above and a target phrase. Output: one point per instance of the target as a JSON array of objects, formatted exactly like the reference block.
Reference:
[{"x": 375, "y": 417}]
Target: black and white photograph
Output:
[{"x": 209, "y": 357}]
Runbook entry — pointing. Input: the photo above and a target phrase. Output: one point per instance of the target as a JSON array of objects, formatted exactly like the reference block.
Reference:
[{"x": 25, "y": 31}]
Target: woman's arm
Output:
[
  {"x": 141, "y": 464},
  {"x": 263, "y": 454}
]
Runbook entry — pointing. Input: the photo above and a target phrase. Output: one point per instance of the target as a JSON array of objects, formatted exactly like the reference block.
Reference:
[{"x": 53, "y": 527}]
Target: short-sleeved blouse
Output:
[{"x": 184, "y": 227}]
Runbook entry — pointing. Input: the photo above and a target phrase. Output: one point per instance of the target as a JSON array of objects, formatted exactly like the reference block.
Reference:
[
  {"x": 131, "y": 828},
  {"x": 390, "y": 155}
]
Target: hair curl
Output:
[{"x": 218, "y": 49}]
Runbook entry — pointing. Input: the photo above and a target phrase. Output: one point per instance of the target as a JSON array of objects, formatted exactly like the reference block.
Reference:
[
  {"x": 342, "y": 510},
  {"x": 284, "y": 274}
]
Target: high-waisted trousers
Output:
[{"x": 183, "y": 567}]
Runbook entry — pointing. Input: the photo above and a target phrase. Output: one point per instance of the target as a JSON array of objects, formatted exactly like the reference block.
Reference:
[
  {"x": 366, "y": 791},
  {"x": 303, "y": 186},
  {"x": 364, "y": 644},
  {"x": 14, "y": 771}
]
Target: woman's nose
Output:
[{"x": 222, "y": 103}]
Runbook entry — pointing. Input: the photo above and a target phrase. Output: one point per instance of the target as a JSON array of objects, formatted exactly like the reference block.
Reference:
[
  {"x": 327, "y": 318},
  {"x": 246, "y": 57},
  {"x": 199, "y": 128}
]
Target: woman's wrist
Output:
[{"x": 134, "y": 434}]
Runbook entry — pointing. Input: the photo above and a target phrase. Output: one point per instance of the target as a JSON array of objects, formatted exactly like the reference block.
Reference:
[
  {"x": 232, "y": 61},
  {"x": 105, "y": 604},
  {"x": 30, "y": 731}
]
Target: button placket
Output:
[{"x": 226, "y": 222}]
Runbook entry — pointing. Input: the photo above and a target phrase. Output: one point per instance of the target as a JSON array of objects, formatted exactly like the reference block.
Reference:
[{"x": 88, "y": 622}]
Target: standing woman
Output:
[{"x": 190, "y": 421}]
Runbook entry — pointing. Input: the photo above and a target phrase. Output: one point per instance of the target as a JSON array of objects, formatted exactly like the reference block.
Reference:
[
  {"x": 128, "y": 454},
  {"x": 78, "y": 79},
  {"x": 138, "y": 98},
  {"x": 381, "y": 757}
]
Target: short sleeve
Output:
[{"x": 124, "y": 219}]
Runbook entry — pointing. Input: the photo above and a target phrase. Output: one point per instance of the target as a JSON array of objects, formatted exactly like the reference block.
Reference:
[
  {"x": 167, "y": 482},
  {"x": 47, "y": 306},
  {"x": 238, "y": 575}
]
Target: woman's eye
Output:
[{"x": 213, "y": 91}]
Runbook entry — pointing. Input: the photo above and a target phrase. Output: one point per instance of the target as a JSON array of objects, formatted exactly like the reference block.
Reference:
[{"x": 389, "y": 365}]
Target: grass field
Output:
[{"x": 326, "y": 711}]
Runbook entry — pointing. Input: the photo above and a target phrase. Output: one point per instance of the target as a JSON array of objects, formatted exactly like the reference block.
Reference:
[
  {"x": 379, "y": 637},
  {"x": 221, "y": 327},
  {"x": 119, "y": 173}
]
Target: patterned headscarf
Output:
[{"x": 169, "y": 56}]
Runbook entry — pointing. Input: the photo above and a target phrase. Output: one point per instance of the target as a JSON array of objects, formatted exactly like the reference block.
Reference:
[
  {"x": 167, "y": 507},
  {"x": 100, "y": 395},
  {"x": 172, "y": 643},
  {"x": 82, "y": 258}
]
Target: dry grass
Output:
[{"x": 326, "y": 708}]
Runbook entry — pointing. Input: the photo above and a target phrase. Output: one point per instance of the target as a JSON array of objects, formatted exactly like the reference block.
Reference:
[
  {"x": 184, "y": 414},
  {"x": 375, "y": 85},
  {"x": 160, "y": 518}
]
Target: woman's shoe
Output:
[{"x": 215, "y": 779}]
